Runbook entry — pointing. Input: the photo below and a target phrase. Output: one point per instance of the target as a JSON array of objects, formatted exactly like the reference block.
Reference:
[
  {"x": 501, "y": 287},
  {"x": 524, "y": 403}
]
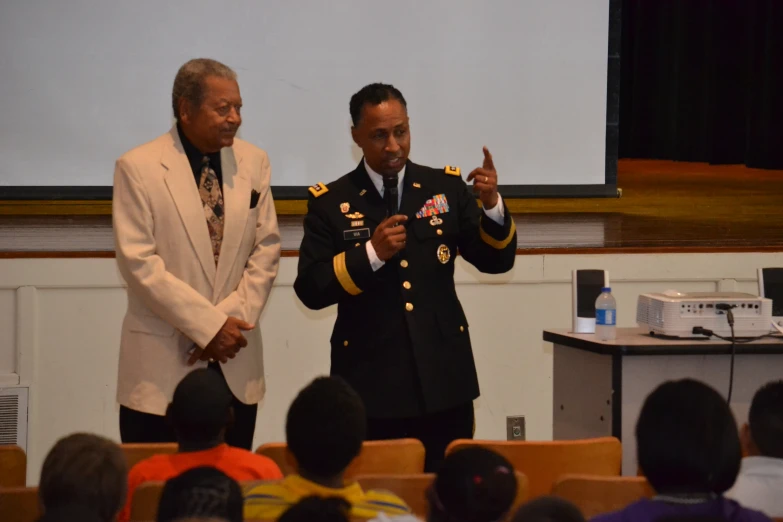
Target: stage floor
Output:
[{"x": 665, "y": 207}]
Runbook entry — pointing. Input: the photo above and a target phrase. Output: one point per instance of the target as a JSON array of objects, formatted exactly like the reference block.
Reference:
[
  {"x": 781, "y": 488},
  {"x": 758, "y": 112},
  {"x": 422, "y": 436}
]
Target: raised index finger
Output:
[{"x": 488, "y": 163}]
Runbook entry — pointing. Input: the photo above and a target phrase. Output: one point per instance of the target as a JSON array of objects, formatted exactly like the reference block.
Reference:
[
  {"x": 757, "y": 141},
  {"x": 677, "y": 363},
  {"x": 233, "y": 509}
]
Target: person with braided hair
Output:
[{"x": 202, "y": 493}]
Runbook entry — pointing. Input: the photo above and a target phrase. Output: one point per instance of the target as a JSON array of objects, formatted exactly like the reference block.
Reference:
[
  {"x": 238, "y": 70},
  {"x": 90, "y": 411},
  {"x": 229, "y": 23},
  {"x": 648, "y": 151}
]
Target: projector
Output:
[{"x": 675, "y": 314}]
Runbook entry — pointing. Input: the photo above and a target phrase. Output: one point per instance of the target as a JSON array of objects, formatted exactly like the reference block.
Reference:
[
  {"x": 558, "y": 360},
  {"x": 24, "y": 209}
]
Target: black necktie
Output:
[{"x": 390, "y": 199}]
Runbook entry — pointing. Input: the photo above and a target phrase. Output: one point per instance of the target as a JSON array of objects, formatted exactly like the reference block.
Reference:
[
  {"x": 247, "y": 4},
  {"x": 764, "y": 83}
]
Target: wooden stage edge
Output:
[{"x": 666, "y": 207}]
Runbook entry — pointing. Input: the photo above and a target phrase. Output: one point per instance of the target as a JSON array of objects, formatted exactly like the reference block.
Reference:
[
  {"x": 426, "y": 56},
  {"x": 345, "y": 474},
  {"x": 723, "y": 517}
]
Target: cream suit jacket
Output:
[{"x": 177, "y": 297}]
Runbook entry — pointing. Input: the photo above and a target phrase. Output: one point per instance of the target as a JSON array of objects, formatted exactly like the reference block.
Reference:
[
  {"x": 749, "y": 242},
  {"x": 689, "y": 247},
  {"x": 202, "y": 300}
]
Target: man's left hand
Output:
[{"x": 485, "y": 181}]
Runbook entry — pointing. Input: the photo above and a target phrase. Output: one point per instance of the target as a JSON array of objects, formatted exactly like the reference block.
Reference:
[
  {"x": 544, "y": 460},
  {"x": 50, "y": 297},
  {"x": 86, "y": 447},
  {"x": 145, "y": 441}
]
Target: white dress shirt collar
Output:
[{"x": 377, "y": 179}]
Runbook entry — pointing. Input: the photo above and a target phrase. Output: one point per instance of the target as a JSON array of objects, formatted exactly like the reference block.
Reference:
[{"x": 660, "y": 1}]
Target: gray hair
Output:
[{"x": 190, "y": 81}]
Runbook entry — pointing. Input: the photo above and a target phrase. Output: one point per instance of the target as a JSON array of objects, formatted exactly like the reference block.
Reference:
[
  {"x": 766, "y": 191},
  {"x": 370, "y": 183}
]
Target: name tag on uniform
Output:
[{"x": 359, "y": 233}]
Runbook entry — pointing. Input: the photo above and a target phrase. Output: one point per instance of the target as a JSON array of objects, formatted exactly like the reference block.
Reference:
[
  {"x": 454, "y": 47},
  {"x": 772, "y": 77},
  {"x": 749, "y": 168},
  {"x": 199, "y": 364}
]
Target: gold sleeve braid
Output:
[
  {"x": 494, "y": 243},
  {"x": 341, "y": 271}
]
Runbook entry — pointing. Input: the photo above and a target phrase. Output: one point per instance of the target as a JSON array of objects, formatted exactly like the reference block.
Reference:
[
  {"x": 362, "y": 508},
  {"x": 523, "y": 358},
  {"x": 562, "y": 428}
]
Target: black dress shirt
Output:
[{"x": 195, "y": 156}]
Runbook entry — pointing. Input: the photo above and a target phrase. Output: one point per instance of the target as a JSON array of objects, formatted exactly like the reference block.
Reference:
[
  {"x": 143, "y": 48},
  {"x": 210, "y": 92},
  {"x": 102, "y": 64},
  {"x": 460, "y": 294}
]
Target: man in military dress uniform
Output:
[{"x": 401, "y": 338}]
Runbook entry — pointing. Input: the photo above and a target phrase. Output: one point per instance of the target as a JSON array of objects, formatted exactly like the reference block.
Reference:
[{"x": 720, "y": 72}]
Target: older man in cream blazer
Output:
[{"x": 198, "y": 245}]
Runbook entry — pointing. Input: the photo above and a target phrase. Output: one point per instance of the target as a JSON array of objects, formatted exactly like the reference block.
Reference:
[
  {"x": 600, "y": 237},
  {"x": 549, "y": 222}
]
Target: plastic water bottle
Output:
[{"x": 606, "y": 316}]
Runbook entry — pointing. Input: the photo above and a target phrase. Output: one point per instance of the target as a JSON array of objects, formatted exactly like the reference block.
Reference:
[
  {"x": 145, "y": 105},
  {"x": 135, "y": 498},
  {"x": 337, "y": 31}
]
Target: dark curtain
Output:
[{"x": 702, "y": 80}]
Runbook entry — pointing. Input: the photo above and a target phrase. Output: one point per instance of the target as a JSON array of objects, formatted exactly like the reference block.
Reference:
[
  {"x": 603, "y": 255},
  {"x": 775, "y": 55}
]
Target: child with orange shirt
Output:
[{"x": 199, "y": 413}]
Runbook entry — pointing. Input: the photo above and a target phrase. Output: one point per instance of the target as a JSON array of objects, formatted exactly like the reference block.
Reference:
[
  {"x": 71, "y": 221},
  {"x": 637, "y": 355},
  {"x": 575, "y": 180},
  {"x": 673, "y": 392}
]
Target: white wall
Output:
[{"x": 60, "y": 323}]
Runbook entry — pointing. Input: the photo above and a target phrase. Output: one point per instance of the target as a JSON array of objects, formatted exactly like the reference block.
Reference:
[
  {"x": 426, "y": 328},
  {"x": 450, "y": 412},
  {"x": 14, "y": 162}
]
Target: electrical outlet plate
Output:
[{"x": 515, "y": 427}]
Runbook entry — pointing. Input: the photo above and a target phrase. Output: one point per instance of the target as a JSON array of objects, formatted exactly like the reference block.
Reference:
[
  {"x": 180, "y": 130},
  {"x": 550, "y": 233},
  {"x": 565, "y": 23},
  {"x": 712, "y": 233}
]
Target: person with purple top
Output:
[{"x": 688, "y": 448}]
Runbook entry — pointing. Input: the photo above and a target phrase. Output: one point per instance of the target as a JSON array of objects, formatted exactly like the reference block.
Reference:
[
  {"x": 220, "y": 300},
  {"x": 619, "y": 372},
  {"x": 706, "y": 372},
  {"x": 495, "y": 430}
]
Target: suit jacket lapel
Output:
[
  {"x": 180, "y": 182},
  {"x": 236, "y": 204},
  {"x": 370, "y": 203},
  {"x": 415, "y": 191}
]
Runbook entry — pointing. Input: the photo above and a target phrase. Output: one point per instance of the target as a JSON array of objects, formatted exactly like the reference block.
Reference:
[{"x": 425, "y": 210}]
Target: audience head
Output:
[
  {"x": 687, "y": 440},
  {"x": 325, "y": 427},
  {"x": 548, "y": 509},
  {"x": 318, "y": 509},
  {"x": 201, "y": 409},
  {"x": 763, "y": 435},
  {"x": 472, "y": 485},
  {"x": 201, "y": 494},
  {"x": 84, "y": 471}
]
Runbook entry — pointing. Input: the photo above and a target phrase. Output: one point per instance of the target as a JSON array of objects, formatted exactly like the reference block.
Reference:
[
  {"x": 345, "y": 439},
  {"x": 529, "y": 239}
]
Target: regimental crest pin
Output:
[
  {"x": 345, "y": 207},
  {"x": 444, "y": 254}
]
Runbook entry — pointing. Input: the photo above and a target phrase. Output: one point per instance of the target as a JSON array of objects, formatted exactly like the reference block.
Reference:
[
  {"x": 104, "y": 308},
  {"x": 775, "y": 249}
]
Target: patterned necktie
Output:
[{"x": 212, "y": 198}]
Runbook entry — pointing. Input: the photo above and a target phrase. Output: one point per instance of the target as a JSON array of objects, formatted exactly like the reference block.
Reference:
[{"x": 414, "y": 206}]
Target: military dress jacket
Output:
[{"x": 401, "y": 338}]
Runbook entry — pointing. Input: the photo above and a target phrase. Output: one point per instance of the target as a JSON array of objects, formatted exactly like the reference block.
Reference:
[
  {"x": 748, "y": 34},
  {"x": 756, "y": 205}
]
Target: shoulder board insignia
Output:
[
  {"x": 318, "y": 190},
  {"x": 452, "y": 171}
]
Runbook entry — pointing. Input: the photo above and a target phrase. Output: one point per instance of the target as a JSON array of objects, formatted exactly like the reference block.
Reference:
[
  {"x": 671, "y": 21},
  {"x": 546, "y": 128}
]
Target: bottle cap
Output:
[{"x": 606, "y": 289}]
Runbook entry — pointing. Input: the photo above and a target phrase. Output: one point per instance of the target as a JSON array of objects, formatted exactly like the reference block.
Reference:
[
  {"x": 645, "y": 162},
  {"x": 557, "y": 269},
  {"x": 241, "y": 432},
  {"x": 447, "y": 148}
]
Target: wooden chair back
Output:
[
  {"x": 277, "y": 452},
  {"x": 136, "y": 452},
  {"x": 545, "y": 461},
  {"x": 595, "y": 495},
  {"x": 378, "y": 457},
  {"x": 413, "y": 489},
  {"x": 19, "y": 504},
  {"x": 13, "y": 467},
  {"x": 144, "y": 504}
]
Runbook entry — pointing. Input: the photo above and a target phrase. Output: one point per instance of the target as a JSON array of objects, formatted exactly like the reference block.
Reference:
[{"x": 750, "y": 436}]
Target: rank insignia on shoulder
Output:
[
  {"x": 318, "y": 190},
  {"x": 452, "y": 171}
]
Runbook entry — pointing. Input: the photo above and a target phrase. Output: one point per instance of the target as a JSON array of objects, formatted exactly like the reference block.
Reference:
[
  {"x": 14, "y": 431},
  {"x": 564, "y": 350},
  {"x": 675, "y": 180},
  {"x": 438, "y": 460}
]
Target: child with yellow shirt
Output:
[{"x": 325, "y": 429}]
